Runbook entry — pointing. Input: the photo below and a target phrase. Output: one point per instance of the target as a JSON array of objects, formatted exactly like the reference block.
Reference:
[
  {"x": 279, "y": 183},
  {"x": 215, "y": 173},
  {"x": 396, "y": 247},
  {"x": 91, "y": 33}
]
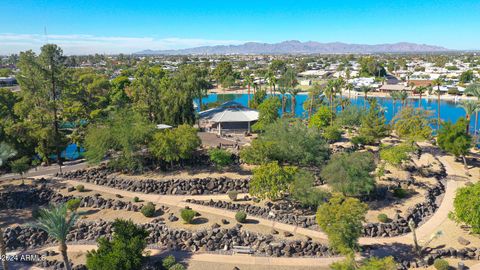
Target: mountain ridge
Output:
[{"x": 298, "y": 47}]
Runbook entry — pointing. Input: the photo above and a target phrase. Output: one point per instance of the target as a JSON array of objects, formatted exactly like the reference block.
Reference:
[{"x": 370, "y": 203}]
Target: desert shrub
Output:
[
  {"x": 168, "y": 262},
  {"x": 397, "y": 154},
  {"x": 73, "y": 204},
  {"x": 136, "y": 199},
  {"x": 125, "y": 250},
  {"x": 241, "y": 216},
  {"x": 220, "y": 157},
  {"x": 287, "y": 141},
  {"x": 400, "y": 193},
  {"x": 359, "y": 140},
  {"x": 382, "y": 217},
  {"x": 332, "y": 133},
  {"x": 148, "y": 210},
  {"x": 441, "y": 264},
  {"x": 187, "y": 215},
  {"x": 303, "y": 190},
  {"x": 453, "y": 91},
  {"x": 232, "y": 194},
  {"x": 177, "y": 266},
  {"x": 80, "y": 188},
  {"x": 350, "y": 174},
  {"x": 466, "y": 206},
  {"x": 271, "y": 180}
]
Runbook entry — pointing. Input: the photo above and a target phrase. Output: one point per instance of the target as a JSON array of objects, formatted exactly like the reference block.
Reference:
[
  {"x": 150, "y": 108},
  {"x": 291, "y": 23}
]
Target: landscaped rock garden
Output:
[
  {"x": 196, "y": 186},
  {"x": 212, "y": 240}
]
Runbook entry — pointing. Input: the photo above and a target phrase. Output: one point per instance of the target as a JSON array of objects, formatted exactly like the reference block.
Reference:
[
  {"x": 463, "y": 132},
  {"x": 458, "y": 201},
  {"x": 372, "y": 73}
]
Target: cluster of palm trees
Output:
[{"x": 472, "y": 106}]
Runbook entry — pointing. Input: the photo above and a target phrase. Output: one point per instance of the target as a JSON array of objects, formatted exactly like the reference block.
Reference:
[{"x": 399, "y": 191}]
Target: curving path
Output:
[{"x": 455, "y": 176}]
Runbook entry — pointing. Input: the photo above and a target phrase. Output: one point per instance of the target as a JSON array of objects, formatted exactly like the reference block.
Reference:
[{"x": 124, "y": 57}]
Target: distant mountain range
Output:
[{"x": 297, "y": 47}]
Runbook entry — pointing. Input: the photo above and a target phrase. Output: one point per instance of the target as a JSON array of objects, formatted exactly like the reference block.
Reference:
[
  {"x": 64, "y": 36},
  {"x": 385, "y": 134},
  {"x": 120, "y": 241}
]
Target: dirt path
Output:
[
  {"x": 228, "y": 259},
  {"x": 453, "y": 169}
]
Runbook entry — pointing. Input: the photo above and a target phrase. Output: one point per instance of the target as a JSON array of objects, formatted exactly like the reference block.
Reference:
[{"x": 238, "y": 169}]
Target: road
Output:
[{"x": 48, "y": 170}]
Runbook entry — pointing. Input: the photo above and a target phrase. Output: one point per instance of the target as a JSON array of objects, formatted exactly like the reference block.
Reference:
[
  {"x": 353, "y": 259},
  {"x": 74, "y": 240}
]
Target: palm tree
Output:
[
  {"x": 420, "y": 90},
  {"x": 283, "y": 91},
  {"x": 349, "y": 87},
  {"x": 293, "y": 92},
  {"x": 314, "y": 92},
  {"x": 438, "y": 82},
  {"x": 394, "y": 96},
  {"x": 470, "y": 107},
  {"x": 403, "y": 96},
  {"x": 474, "y": 90},
  {"x": 339, "y": 83},
  {"x": 57, "y": 222},
  {"x": 248, "y": 81},
  {"x": 344, "y": 102},
  {"x": 330, "y": 93},
  {"x": 272, "y": 80},
  {"x": 365, "y": 90}
]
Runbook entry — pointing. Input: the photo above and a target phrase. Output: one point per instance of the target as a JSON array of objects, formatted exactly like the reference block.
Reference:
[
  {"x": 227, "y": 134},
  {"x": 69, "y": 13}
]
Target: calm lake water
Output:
[{"x": 449, "y": 109}]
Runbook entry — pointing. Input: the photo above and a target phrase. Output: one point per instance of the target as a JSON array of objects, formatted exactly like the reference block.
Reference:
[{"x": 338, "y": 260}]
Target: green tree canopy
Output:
[
  {"x": 467, "y": 206},
  {"x": 322, "y": 118},
  {"x": 45, "y": 82},
  {"x": 174, "y": 144},
  {"x": 303, "y": 190},
  {"x": 124, "y": 252},
  {"x": 267, "y": 113},
  {"x": 350, "y": 174},
  {"x": 396, "y": 154},
  {"x": 413, "y": 124},
  {"x": 341, "y": 219},
  {"x": 271, "y": 180},
  {"x": 373, "y": 125},
  {"x": 289, "y": 142},
  {"x": 454, "y": 139},
  {"x": 124, "y": 132}
]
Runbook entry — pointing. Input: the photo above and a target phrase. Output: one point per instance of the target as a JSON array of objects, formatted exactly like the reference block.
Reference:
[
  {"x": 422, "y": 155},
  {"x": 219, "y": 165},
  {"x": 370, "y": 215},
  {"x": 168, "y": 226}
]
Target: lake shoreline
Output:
[{"x": 352, "y": 94}]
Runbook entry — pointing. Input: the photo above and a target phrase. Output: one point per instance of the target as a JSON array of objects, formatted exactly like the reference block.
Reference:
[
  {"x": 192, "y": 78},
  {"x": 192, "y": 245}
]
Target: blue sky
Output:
[{"x": 83, "y": 26}]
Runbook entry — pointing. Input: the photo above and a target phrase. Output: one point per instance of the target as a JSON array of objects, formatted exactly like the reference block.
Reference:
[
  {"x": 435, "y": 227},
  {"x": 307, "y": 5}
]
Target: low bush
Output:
[
  {"x": 359, "y": 140},
  {"x": 232, "y": 194},
  {"x": 80, "y": 188},
  {"x": 187, "y": 215},
  {"x": 148, "y": 210},
  {"x": 73, "y": 204},
  {"x": 441, "y": 264},
  {"x": 220, "y": 157},
  {"x": 332, "y": 134},
  {"x": 400, "y": 193},
  {"x": 177, "y": 266},
  {"x": 136, "y": 199},
  {"x": 382, "y": 217},
  {"x": 241, "y": 216},
  {"x": 168, "y": 262}
]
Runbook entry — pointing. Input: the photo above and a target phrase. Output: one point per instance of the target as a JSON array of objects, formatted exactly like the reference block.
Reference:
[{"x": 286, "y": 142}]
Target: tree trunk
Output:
[
  {"x": 248, "y": 96},
  {"x": 55, "y": 117},
  {"x": 311, "y": 107},
  {"x": 63, "y": 251},
  {"x": 3, "y": 250},
  {"x": 200, "y": 101},
  {"x": 292, "y": 106},
  {"x": 438, "y": 109},
  {"x": 283, "y": 105},
  {"x": 420, "y": 101},
  {"x": 468, "y": 123},
  {"x": 331, "y": 108},
  {"x": 465, "y": 165}
]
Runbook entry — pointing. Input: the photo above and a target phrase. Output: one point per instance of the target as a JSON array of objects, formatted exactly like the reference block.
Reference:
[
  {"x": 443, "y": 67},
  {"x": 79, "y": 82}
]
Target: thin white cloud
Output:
[{"x": 88, "y": 44}]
